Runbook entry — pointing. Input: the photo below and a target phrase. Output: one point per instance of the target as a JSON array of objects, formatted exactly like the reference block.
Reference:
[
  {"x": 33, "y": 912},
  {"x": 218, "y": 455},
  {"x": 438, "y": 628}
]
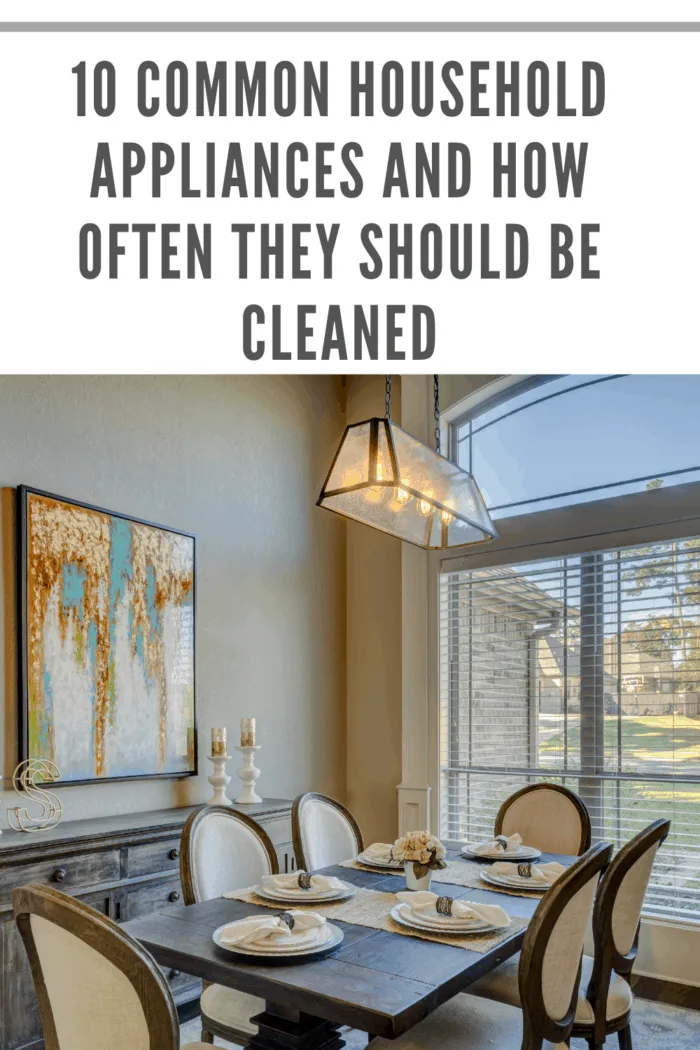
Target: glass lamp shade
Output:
[{"x": 389, "y": 480}]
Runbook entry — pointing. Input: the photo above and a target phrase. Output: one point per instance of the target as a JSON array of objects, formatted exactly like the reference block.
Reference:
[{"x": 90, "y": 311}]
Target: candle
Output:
[
  {"x": 218, "y": 741},
  {"x": 247, "y": 732}
]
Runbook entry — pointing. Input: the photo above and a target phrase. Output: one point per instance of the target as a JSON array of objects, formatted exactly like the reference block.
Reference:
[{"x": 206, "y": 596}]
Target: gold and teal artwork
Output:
[{"x": 108, "y": 642}]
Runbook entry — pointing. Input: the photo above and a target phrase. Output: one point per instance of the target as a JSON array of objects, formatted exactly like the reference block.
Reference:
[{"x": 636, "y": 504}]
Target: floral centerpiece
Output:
[{"x": 421, "y": 854}]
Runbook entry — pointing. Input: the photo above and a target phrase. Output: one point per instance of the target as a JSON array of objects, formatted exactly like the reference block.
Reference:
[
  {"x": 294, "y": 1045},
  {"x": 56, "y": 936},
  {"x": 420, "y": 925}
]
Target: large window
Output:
[
  {"x": 582, "y": 667},
  {"x": 558, "y": 440}
]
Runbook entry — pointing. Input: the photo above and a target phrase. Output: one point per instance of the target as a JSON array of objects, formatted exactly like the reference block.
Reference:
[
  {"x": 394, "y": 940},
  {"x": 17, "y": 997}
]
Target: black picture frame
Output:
[{"x": 23, "y": 494}]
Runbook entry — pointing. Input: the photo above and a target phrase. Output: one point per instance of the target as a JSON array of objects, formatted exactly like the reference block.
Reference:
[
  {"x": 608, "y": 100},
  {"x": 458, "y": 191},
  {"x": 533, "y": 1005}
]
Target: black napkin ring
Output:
[
  {"x": 525, "y": 871},
  {"x": 287, "y": 918},
  {"x": 501, "y": 842},
  {"x": 304, "y": 880},
  {"x": 443, "y": 905}
]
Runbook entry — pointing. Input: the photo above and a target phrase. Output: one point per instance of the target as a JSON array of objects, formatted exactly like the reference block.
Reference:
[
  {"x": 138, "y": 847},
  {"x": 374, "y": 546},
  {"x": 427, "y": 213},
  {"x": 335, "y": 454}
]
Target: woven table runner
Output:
[
  {"x": 372, "y": 908},
  {"x": 457, "y": 872}
]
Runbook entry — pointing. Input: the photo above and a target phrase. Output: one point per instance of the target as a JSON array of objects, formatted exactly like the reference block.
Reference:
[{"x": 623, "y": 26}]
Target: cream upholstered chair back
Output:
[
  {"x": 95, "y": 985},
  {"x": 549, "y": 817},
  {"x": 550, "y": 962},
  {"x": 223, "y": 850},
  {"x": 324, "y": 832},
  {"x": 617, "y": 913}
]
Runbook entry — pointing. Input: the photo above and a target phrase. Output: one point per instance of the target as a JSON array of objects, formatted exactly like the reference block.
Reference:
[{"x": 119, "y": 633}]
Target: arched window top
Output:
[{"x": 554, "y": 441}]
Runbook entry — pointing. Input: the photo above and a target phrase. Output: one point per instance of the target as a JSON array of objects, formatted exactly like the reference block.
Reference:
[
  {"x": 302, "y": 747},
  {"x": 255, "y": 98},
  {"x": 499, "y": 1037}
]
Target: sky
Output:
[{"x": 623, "y": 427}]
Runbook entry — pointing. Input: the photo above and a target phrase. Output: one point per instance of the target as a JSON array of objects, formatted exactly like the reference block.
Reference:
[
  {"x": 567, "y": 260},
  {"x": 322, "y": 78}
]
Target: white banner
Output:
[{"x": 347, "y": 200}]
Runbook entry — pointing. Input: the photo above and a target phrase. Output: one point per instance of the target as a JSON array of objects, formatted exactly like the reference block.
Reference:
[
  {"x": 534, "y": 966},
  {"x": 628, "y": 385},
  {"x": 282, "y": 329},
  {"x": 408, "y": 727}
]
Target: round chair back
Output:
[
  {"x": 550, "y": 961},
  {"x": 95, "y": 985},
  {"x": 617, "y": 914},
  {"x": 324, "y": 832},
  {"x": 549, "y": 817},
  {"x": 222, "y": 850}
]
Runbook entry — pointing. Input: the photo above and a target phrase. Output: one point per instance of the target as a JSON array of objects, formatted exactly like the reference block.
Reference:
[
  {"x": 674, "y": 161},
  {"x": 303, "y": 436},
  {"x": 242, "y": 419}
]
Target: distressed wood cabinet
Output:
[{"x": 124, "y": 867}]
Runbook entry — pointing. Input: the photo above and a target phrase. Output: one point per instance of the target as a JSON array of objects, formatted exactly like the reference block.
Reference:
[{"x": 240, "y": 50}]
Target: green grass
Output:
[{"x": 645, "y": 740}]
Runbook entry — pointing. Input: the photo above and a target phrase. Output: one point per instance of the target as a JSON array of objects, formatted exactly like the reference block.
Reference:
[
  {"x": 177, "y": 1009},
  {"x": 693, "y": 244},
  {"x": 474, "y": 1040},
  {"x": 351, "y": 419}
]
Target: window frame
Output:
[{"x": 638, "y": 518}]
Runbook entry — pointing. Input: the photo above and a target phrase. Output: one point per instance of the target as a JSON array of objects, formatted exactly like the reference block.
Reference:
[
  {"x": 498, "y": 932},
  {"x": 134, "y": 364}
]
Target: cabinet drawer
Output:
[
  {"x": 153, "y": 857},
  {"x": 69, "y": 875},
  {"x": 279, "y": 830},
  {"x": 151, "y": 896}
]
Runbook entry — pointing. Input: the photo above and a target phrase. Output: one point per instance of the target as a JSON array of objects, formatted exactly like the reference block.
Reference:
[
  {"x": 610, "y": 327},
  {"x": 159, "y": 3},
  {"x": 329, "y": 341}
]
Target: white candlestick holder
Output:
[
  {"x": 219, "y": 780},
  {"x": 248, "y": 774}
]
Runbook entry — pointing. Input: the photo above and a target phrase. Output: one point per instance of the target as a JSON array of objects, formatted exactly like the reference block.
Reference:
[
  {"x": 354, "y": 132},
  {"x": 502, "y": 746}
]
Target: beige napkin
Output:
[
  {"x": 539, "y": 872},
  {"x": 490, "y": 849},
  {"x": 424, "y": 903},
  {"x": 379, "y": 851},
  {"x": 319, "y": 883},
  {"x": 273, "y": 931}
]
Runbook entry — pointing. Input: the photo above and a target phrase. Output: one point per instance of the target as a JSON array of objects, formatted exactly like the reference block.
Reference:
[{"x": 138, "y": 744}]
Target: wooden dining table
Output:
[{"x": 380, "y": 982}]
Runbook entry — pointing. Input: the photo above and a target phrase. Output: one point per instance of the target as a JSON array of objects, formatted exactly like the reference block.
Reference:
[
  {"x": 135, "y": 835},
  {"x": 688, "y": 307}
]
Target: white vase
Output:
[{"x": 412, "y": 883}]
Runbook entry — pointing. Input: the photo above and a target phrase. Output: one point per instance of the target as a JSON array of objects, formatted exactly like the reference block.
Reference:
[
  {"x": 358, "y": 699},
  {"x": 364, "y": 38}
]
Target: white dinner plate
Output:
[
  {"x": 521, "y": 853},
  {"x": 297, "y": 895},
  {"x": 394, "y": 865},
  {"x": 440, "y": 923},
  {"x": 513, "y": 883},
  {"x": 281, "y": 951},
  {"x": 454, "y": 931}
]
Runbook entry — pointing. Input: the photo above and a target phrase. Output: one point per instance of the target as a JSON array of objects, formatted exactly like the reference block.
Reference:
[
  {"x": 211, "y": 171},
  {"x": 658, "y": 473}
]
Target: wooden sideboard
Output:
[{"x": 125, "y": 867}]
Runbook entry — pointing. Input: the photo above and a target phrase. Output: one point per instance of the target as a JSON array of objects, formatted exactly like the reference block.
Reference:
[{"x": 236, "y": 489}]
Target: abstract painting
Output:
[{"x": 107, "y": 625}]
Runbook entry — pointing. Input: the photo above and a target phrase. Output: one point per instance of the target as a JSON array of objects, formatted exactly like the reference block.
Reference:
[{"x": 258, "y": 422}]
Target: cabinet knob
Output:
[
  {"x": 174, "y": 854},
  {"x": 60, "y": 875},
  {"x": 173, "y": 975},
  {"x": 174, "y": 896}
]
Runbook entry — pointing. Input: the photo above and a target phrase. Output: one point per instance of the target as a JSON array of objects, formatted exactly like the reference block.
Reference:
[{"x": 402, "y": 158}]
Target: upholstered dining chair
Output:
[
  {"x": 324, "y": 831},
  {"x": 224, "y": 850},
  {"x": 549, "y": 817},
  {"x": 548, "y": 974},
  {"x": 96, "y": 986},
  {"x": 604, "y": 998}
]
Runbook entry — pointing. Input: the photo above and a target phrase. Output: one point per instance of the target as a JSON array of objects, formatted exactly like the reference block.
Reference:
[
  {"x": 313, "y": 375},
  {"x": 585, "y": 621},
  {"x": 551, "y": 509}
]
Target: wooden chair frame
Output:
[
  {"x": 537, "y": 1024},
  {"x": 585, "y": 839},
  {"x": 314, "y": 796},
  {"x": 188, "y": 833},
  {"x": 210, "y": 1027},
  {"x": 607, "y": 960},
  {"x": 105, "y": 937}
]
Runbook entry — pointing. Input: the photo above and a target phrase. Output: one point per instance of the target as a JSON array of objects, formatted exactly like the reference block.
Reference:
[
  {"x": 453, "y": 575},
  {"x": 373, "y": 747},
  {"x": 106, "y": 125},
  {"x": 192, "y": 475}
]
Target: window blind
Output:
[{"x": 584, "y": 671}]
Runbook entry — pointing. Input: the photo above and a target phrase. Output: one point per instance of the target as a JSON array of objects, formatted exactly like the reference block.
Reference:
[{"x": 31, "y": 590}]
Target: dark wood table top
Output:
[{"x": 378, "y": 982}]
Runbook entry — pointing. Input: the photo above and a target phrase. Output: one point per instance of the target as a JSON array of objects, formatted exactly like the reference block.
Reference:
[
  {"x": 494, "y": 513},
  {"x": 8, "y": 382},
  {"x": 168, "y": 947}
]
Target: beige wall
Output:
[
  {"x": 238, "y": 461},
  {"x": 373, "y": 650}
]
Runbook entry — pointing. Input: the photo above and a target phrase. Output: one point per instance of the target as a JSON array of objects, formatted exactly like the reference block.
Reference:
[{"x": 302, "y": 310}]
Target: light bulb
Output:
[
  {"x": 425, "y": 507},
  {"x": 402, "y": 496},
  {"x": 374, "y": 494},
  {"x": 445, "y": 516}
]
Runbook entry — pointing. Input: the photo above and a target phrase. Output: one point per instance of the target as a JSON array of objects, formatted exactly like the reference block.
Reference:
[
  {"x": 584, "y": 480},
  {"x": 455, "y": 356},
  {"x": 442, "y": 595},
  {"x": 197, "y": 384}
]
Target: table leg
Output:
[{"x": 282, "y": 1028}]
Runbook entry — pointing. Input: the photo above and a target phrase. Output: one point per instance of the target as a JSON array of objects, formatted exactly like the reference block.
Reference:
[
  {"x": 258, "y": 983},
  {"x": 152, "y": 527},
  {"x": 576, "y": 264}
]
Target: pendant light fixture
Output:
[{"x": 386, "y": 478}]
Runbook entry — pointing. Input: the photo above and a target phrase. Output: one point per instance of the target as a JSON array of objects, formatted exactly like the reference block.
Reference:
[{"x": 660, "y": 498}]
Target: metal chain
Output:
[
  {"x": 436, "y": 411},
  {"x": 387, "y": 398}
]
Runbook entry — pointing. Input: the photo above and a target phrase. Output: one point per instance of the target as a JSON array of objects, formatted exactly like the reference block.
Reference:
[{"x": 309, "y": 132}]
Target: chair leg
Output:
[
  {"x": 207, "y": 1037},
  {"x": 625, "y": 1038}
]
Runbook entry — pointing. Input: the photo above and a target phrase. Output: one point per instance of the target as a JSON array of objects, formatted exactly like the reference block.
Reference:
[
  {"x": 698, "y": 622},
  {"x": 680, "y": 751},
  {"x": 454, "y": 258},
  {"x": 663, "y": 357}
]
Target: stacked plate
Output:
[
  {"x": 522, "y": 852},
  {"x": 318, "y": 940},
  {"x": 372, "y": 861},
  {"x": 435, "y": 923},
  {"x": 297, "y": 895},
  {"x": 513, "y": 882}
]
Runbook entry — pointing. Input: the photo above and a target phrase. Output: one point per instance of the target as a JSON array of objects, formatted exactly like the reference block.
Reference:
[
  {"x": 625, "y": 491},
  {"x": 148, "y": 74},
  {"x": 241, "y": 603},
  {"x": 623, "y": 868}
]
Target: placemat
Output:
[
  {"x": 372, "y": 908},
  {"x": 457, "y": 872}
]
